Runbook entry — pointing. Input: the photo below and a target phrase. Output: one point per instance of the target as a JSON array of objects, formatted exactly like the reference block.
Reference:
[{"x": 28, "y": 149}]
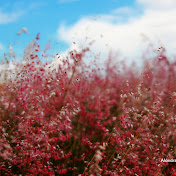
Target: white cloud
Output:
[
  {"x": 126, "y": 38},
  {"x": 158, "y": 4},
  {"x": 62, "y": 56},
  {"x": 6, "y": 18},
  {"x": 123, "y": 10}
]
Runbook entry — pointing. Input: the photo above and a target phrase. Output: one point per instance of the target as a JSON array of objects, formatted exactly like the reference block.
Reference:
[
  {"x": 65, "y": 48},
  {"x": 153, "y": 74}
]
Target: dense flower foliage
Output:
[{"x": 74, "y": 120}]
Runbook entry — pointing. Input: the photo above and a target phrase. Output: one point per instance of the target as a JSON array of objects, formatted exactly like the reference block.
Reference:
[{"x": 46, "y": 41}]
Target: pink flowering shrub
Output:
[{"x": 76, "y": 121}]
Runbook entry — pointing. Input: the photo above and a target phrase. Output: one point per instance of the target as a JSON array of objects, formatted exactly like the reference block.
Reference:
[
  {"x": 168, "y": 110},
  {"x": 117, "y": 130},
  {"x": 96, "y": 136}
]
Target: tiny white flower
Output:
[
  {"x": 98, "y": 156},
  {"x": 174, "y": 94},
  {"x": 118, "y": 156},
  {"x": 22, "y": 30},
  {"x": 114, "y": 118},
  {"x": 132, "y": 135}
]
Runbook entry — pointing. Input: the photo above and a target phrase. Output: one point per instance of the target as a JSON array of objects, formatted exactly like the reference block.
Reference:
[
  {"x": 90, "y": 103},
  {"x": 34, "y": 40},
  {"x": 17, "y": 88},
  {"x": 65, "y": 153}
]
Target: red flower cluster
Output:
[{"x": 78, "y": 121}]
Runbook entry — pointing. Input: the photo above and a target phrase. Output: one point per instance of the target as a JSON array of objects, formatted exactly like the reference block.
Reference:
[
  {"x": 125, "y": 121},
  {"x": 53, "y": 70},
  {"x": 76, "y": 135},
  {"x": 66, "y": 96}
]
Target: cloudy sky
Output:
[{"x": 125, "y": 27}]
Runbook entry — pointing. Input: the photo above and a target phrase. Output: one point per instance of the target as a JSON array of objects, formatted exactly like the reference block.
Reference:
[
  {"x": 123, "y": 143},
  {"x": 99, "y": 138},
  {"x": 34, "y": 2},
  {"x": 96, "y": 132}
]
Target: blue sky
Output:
[
  {"x": 57, "y": 21},
  {"x": 45, "y": 16}
]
